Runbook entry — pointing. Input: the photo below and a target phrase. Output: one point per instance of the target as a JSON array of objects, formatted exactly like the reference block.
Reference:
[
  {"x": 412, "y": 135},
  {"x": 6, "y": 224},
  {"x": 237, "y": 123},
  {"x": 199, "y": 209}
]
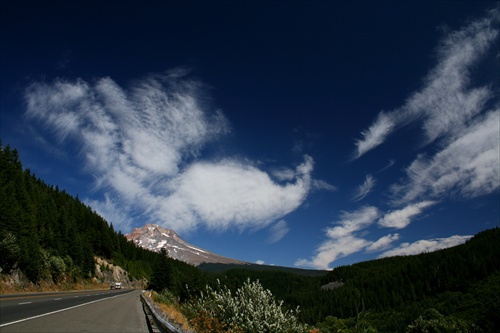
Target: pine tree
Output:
[{"x": 162, "y": 277}]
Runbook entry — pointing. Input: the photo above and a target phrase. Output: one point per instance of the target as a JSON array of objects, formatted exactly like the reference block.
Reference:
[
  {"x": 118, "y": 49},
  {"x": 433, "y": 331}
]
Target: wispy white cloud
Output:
[
  {"x": 459, "y": 116},
  {"x": 390, "y": 164},
  {"x": 364, "y": 189},
  {"x": 402, "y": 217},
  {"x": 260, "y": 262},
  {"x": 376, "y": 134},
  {"x": 112, "y": 212},
  {"x": 143, "y": 146},
  {"x": 463, "y": 123},
  {"x": 341, "y": 240},
  {"x": 318, "y": 184},
  {"x": 468, "y": 166},
  {"x": 332, "y": 249},
  {"x": 446, "y": 102},
  {"x": 382, "y": 243},
  {"x": 428, "y": 245},
  {"x": 283, "y": 174},
  {"x": 278, "y": 231},
  {"x": 353, "y": 221}
]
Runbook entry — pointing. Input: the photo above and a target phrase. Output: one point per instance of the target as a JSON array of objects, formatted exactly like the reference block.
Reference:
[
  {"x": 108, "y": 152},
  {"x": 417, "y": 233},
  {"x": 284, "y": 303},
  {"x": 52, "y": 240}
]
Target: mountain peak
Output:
[{"x": 154, "y": 237}]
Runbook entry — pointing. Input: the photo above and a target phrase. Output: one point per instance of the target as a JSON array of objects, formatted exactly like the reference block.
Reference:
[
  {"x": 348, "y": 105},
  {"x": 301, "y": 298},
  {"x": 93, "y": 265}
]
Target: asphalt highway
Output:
[{"x": 81, "y": 311}]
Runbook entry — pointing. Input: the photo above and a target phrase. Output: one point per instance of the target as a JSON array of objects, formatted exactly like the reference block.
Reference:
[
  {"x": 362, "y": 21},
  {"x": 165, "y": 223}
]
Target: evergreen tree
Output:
[
  {"x": 162, "y": 277},
  {"x": 40, "y": 225}
]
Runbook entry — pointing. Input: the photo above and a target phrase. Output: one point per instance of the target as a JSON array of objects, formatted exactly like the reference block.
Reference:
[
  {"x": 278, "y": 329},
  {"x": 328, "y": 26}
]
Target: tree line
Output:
[
  {"x": 462, "y": 284},
  {"x": 451, "y": 290},
  {"x": 48, "y": 234}
]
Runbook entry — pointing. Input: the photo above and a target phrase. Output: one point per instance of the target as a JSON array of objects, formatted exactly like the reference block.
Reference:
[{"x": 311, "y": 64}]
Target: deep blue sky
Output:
[{"x": 314, "y": 134}]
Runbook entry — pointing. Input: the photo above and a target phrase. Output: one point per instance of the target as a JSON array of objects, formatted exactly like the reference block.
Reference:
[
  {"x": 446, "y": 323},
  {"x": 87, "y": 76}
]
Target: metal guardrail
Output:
[{"x": 160, "y": 317}]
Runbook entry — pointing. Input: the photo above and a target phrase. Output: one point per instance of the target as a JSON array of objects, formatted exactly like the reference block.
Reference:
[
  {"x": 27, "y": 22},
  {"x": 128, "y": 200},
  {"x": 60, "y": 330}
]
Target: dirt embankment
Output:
[{"x": 105, "y": 274}]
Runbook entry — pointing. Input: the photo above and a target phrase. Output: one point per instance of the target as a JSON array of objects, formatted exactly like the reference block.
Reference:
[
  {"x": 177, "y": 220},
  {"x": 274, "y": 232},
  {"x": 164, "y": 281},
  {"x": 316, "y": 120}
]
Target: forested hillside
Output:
[
  {"x": 461, "y": 284},
  {"x": 49, "y": 235}
]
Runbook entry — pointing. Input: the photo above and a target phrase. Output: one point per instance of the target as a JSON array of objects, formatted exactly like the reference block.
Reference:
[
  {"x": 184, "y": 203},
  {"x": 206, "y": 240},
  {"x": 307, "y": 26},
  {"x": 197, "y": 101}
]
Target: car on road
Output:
[{"x": 116, "y": 285}]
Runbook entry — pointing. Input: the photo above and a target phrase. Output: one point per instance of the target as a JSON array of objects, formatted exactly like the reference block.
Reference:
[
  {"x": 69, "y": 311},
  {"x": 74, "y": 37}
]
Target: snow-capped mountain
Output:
[{"x": 153, "y": 237}]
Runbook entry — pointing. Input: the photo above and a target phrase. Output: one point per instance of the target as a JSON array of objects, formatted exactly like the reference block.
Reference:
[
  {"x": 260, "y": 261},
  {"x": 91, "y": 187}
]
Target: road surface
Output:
[{"x": 85, "y": 311}]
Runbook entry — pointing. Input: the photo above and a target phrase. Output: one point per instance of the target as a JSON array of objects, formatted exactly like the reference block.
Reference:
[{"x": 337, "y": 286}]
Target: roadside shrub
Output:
[
  {"x": 434, "y": 322},
  {"x": 166, "y": 297},
  {"x": 252, "y": 309},
  {"x": 333, "y": 324},
  {"x": 10, "y": 251},
  {"x": 45, "y": 265},
  {"x": 169, "y": 305},
  {"x": 57, "y": 267},
  {"x": 205, "y": 323}
]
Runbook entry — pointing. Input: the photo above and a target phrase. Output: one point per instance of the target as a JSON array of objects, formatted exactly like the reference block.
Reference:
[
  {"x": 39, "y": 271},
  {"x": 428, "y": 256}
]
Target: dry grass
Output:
[
  {"x": 9, "y": 287},
  {"x": 172, "y": 311},
  {"x": 176, "y": 315}
]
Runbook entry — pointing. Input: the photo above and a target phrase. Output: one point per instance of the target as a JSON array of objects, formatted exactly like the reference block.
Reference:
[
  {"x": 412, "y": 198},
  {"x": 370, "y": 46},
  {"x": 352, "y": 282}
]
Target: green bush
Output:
[
  {"x": 10, "y": 251},
  {"x": 358, "y": 324},
  {"x": 57, "y": 267},
  {"x": 434, "y": 322},
  {"x": 166, "y": 297},
  {"x": 252, "y": 309}
]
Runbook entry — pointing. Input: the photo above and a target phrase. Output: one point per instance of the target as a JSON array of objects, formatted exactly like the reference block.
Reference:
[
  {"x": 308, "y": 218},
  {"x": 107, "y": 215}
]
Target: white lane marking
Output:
[
  {"x": 65, "y": 309},
  {"x": 24, "y": 303},
  {"x": 57, "y": 299}
]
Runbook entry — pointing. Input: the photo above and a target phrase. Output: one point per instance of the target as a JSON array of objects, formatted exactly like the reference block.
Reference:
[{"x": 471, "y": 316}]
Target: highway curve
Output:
[{"x": 103, "y": 311}]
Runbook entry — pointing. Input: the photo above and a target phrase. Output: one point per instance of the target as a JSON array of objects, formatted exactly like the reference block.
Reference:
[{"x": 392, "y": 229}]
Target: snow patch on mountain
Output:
[{"x": 154, "y": 238}]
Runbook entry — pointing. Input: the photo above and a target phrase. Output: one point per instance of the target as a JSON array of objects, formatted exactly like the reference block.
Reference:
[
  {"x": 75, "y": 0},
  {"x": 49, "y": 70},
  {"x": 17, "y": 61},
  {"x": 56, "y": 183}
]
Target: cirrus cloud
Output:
[
  {"x": 143, "y": 147},
  {"x": 376, "y": 134},
  {"x": 278, "y": 231},
  {"x": 341, "y": 239},
  {"x": 425, "y": 245},
  {"x": 364, "y": 189},
  {"x": 382, "y": 242},
  {"x": 460, "y": 118},
  {"x": 446, "y": 102},
  {"x": 468, "y": 166},
  {"x": 402, "y": 217}
]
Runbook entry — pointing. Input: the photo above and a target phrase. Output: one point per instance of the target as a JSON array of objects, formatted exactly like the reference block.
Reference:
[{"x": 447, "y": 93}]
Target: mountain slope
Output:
[
  {"x": 50, "y": 236},
  {"x": 153, "y": 237}
]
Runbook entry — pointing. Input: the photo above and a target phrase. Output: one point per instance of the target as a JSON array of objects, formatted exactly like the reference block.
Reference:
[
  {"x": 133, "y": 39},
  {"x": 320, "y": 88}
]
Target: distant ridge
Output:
[
  {"x": 220, "y": 267},
  {"x": 153, "y": 237}
]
